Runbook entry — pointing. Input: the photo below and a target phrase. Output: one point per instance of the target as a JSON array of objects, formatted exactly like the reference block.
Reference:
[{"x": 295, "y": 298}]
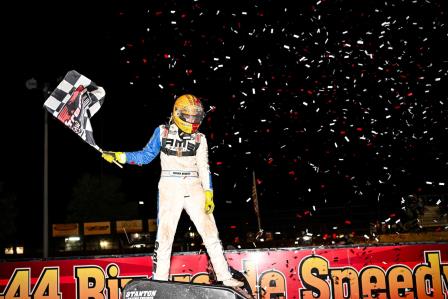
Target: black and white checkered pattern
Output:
[{"x": 74, "y": 101}]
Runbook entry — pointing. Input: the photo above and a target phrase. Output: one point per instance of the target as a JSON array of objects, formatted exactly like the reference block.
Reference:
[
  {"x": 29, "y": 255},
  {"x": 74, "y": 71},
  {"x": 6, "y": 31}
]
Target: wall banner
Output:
[
  {"x": 66, "y": 230},
  {"x": 384, "y": 272},
  {"x": 97, "y": 228}
]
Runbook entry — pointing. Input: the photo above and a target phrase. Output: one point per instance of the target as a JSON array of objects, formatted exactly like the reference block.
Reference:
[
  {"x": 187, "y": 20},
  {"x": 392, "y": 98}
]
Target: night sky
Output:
[{"x": 332, "y": 103}]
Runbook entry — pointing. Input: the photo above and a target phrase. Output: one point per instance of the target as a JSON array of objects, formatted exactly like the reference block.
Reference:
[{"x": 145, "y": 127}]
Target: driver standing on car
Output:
[{"x": 185, "y": 183}]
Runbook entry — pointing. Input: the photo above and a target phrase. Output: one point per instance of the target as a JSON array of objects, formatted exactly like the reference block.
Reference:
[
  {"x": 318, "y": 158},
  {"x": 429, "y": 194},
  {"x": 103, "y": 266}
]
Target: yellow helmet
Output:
[{"x": 188, "y": 113}]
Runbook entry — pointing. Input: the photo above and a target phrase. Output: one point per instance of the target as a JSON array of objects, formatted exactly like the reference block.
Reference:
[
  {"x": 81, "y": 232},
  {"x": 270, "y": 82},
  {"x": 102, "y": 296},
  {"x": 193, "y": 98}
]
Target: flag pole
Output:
[{"x": 256, "y": 205}]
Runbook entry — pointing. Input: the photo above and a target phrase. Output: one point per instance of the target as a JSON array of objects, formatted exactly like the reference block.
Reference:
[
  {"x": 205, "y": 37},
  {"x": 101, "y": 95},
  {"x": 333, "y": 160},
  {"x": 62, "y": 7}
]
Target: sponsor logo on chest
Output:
[{"x": 189, "y": 144}]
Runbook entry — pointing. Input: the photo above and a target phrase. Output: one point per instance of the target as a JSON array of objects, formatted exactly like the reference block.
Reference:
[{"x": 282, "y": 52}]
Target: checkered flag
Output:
[{"x": 74, "y": 101}]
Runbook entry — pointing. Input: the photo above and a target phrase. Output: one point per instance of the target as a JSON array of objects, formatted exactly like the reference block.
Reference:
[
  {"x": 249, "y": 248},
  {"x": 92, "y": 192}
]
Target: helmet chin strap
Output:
[{"x": 182, "y": 134}]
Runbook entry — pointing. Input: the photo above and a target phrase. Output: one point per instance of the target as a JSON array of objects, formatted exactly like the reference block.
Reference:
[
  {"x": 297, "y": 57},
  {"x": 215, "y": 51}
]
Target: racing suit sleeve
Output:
[
  {"x": 203, "y": 166},
  {"x": 148, "y": 153}
]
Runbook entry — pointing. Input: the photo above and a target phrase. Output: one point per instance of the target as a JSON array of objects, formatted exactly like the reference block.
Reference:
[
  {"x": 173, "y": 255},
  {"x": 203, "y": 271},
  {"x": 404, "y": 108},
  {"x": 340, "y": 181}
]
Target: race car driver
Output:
[{"x": 185, "y": 183}]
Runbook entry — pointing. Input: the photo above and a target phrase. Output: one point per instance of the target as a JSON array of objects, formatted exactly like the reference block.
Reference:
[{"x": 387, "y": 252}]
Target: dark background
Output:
[{"x": 338, "y": 106}]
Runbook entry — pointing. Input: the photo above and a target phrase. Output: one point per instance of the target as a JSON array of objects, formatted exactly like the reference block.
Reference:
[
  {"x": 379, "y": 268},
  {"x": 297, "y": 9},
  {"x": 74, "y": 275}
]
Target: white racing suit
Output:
[{"x": 184, "y": 177}]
